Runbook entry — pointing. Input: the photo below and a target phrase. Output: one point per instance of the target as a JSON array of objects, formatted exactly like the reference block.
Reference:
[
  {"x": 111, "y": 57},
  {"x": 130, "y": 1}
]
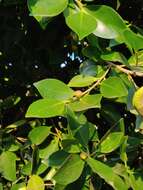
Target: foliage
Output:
[{"x": 82, "y": 130}]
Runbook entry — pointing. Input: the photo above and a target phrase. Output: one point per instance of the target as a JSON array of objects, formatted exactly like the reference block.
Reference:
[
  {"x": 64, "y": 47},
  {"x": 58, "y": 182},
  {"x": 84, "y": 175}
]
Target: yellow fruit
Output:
[
  {"x": 78, "y": 93},
  {"x": 138, "y": 100},
  {"x": 83, "y": 155}
]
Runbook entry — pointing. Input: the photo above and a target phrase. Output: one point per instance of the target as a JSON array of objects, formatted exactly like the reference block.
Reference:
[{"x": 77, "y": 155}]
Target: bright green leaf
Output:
[
  {"x": 70, "y": 171},
  {"x": 111, "y": 142},
  {"x": 46, "y": 8},
  {"x": 109, "y": 23},
  {"x": 81, "y": 22},
  {"x": 113, "y": 87},
  {"x": 39, "y": 134},
  {"x": 35, "y": 183},
  {"x": 81, "y": 81},
  {"x": 45, "y": 108},
  {"x": 107, "y": 174},
  {"x": 8, "y": 165},
  {"x": 54, "y": 89},
  {"x": 87, "y": 102},
  {"x": 19, "y": 186}
]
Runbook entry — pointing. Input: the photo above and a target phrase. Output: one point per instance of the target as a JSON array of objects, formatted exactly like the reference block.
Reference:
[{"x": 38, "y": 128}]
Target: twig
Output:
[
  {"x": 95, "y": 84},
  {"x": 128, "y": 72}
]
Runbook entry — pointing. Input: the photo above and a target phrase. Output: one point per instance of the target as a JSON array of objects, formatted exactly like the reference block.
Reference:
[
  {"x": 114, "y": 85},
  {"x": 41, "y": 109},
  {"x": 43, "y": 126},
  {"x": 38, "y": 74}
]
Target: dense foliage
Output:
[{"x": 71, "y": 101}]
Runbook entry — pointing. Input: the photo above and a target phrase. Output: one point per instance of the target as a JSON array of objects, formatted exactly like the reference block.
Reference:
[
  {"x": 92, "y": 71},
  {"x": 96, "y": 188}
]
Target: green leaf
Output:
[
  {"x": 81, "y": 81},
  {"x": 39, "y": 134},
  {"x": 133, "y": 40},
  {"x": 81, "y": 22},
  {"x": 113, "y": 87},
  {"x": 54, "y": 89},
  {"x": 49, "y": 149},
  {"x": 45, "y": 108},
  {"x": 57, "y": 158},
  {"x": 72, "y": 169},
  {"x": 71, "y": 146},
  {"x": 107, "y": 174},
  {"x": 1, "y": 187},
  {"x": 92, "y": 53},
  {"x": 109, "y": 23},
  {"x": 111, "y": 142},
  {"x": 46, "y": 8},
  {"x": 115, "y": 57},
  {"x": 87, "y": 102},
  {"x": 19, "y": 186},
  {"x": 35, "y": 183},
  {"x": 8, "y": 165}
]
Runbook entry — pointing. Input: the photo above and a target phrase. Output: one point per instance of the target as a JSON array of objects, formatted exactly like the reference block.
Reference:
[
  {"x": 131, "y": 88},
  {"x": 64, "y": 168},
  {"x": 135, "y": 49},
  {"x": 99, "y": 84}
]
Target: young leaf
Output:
[
  {"x": 35, "y": 183},
  {"x": 39, "y": 134},
  {"x": 46, "y": 8},
  {"x": 46, "y": 108},
  {"x": 87, "y": 102},
  {"x": 19, "y": 186},
  {"x": 81, "y": 81},
  {"x": 53, "y": 89},
  {"x": 8, "y": 165},
  {"x": 107, "y": 174},
  {"x": 72, "y": 169},
  {"x": 81, "y": 22},
  {"x": 113, "y": 87}
]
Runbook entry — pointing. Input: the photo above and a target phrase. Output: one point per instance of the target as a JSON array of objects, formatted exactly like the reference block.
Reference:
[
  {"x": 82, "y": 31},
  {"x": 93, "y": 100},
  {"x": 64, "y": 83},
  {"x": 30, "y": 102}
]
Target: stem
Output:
[
  {"x": 79, "y": 4},
  {"x": 126, "y": 71},
  {"x": 95, "y": 84}
]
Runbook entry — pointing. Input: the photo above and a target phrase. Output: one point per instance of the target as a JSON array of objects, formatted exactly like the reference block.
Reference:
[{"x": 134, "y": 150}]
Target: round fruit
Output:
[
  {"x": 138, "y": 100},
  {"x": 78, "y": 93},
  {"x": 83, "y": 155}
]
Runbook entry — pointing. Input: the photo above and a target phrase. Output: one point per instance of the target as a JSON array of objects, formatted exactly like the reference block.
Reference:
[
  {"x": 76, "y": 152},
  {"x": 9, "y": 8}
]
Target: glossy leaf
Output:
[
  {"x": 8, "y": 165},
  {"x": 53, "y": 89},
  {"x": 81, "y": 81},
  {"x": 111, "y": 142},
  {"x": 46, "y": 108},
  {"x": 39, "y": 134},
  {"x": 81, "y": 22},
  {"x": 107, "y": 174},
  {"x": 88, "y": 67},
  {"x": 113, "y": 87},
  {"x": 109, "y": 23},
  {"x": 71, "y": 146},
  {"x": 87, "y": 102},
  {"x": 35, "y": 183},
  {"x": 72, "y": 169},
  {"x": 46, "y": 8}
]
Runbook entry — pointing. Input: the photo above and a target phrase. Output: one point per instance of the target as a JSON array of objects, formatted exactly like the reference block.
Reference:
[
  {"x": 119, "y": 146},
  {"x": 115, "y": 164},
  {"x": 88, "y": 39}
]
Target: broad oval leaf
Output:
[
  {"x": 109, "y": 23},
  {"x": 113, "y": 87},
  {"x": 53, "y": 89},
  {"x": 45, "y": 108},
  {"x": 39, "y": 134},
  {"x": 46, "y": 8},
  {"x": 87, "y": 102},
  {"x": 107, "y": 174},
  {"x": 8, "y": 165},
  {"x": 72, "y": 169},
  {"x": 81, "y": 22},
  {"x": 35, "y": 183},
  {"x": 112, "y": 141},
  {"x": 81, "y": 81}
]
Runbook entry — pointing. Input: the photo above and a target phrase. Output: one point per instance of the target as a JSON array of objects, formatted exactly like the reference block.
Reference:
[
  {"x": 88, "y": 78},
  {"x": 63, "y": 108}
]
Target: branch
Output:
[{"x": 128, "y": 72}]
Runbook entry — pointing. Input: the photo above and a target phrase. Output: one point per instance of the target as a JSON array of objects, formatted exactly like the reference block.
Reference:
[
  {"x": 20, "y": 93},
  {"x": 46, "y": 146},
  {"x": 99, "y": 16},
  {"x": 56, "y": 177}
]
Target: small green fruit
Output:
[
  {"x": 83, "y": 155},
  {"x": 138, "y": 100}
]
